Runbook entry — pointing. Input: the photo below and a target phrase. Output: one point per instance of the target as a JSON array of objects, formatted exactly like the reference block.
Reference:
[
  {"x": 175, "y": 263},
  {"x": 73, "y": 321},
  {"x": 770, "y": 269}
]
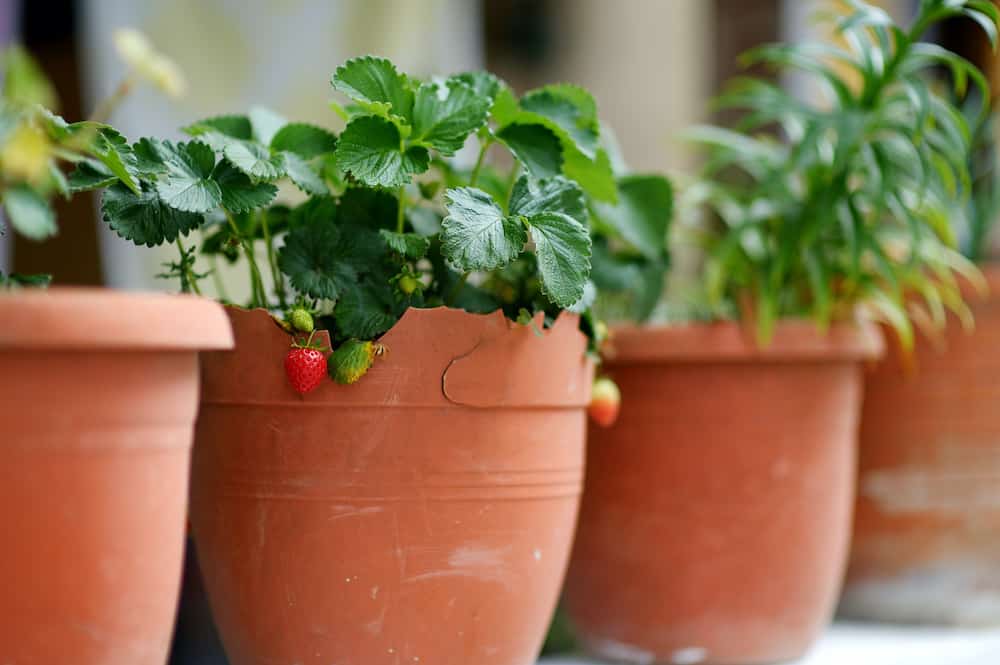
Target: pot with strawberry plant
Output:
[
  {"x": 716, "y": 521},
  {"x": 97, "y": 407},
  {"x": 388, "y": 467},
  {"x": 927, "y": 524}
]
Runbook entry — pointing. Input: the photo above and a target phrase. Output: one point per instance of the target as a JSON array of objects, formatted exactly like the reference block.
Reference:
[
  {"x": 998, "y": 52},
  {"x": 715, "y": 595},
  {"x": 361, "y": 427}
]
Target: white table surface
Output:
[{"x": 856, "y": 644}]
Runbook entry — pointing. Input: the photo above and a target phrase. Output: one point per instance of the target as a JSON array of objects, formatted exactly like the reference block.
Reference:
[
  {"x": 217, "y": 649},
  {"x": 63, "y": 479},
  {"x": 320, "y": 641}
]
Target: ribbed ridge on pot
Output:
[
  {"x": 727, "y": 341},
  {"x": 74, "y": 319}
]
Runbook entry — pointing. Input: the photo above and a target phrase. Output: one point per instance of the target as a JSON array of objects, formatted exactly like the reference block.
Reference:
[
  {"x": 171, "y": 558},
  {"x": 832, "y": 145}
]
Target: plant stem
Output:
[
  {"x": 258, "y": 295},
  {"x": 483, "y": 149},
  {"x": 189, "y": 281},
  {"x": 455, "y": 290},
  {"x": 514, "y": 172},
  {"x": 272, "y": 260},
  {"x": 108, "y": 106},
  {"x": 220, "y": 286},
  {"x": 400, "y": 208}
]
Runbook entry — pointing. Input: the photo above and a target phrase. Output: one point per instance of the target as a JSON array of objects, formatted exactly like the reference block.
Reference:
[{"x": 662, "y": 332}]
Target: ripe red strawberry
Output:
[
  {"x": 605, "y": 402},
  {"x": 305, "y": 367}
]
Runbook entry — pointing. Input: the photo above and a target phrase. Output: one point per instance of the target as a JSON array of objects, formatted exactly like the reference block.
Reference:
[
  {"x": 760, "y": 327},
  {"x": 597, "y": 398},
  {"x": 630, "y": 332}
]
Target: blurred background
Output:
[{"x": 652, "y": 64}]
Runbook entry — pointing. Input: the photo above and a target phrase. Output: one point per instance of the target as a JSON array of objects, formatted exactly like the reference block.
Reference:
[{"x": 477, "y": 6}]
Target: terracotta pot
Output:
[
  {"x": 421, "y": 515},
  {"x": 715, "y": 522},
  {"x": 927, "y": 532},
  {"x": 98, "y": 393}
]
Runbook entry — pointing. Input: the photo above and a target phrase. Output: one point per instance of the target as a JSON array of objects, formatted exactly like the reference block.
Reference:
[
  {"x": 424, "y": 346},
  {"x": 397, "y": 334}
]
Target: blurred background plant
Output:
[
  {"x": 852, "y": 202},
  {"x": 37, "y": 146}
]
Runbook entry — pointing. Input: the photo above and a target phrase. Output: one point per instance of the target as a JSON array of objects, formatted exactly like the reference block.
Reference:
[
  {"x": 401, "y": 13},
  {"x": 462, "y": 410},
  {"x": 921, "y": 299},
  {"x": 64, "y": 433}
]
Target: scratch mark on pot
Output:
[
  {"x": 689, "y": 656},
  {"x": 374, "y": 593},
  {"x": 375, "y": 626},
  {"x": 482, "y": 563},
  {"x": 537, "y": 554},
  {"x": 353, "y": 512}
]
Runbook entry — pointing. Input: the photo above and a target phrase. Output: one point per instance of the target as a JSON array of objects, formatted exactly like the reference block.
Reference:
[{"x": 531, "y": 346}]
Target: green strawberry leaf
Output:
[
  {"x": 370, "y": 149},
  {"x": 147, "y": 159},
  {"x": 445, "y": 113},
  {"x": 536, "y": 147},
  {"x": 311, "y": 257},
  {"x": 562, "y": 247},
  {"x": 476, "y": 235},
  {"x": 29, "y": 213},
  {"x": 112, "y": 150},
  {"x": 366, "y": 310},
  {"x": 483, "y": 83},
  {"x": 572, "y": 109},
  {"x": 326, "y": 260},
  {"x": 408, "y": 245},
  {"x": 368, "y": 208},
  {"x": 145, "y": 219},
  {"x": 239, "y": 192},
  {"x": 265, "y": 124},
  {"x": 303, "y": 175},
  {"x": 375, "y": 85},
  {"x": 255, "y": 160},
  {"x": 306, "y": 141},
  {"x": 188, "y": 185},
  {"x": 595, "y": 175},
  {"x": 642, "y": 215},
  {"x": 233, "y": 126},
  {"x": 557, "y": 194},
  {"x": 88, "y": 175}
]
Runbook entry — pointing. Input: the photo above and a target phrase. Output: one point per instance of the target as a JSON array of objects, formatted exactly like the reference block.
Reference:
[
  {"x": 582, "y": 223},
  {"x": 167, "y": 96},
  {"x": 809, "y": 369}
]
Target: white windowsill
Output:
[{"x": 858, "y": 644}]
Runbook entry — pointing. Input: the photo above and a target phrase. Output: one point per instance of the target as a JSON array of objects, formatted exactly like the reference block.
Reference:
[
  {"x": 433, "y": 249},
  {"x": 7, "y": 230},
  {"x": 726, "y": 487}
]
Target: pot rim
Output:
[
  {"x": 727, "y": 341},
  {"x": 115, "y": 320}
]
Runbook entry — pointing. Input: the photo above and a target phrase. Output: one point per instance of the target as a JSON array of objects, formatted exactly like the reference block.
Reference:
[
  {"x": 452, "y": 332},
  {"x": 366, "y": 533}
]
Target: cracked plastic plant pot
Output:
[{"x": 424, "y": 514}]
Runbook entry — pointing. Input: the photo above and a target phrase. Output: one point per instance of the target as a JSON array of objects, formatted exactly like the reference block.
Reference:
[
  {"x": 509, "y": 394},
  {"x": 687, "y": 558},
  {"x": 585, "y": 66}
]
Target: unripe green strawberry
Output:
[
  {"x": 605, "y": 402},
  {"x": 408, "y": 284},
  {"x": 352, "y": 359},
  {"x": 302, "y": 320}
]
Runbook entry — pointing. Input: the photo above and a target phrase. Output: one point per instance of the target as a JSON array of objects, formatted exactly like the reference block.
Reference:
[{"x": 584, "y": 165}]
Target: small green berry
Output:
[
  {"x": 408, "y": 284},
  {"x": 301, "y": 320}
]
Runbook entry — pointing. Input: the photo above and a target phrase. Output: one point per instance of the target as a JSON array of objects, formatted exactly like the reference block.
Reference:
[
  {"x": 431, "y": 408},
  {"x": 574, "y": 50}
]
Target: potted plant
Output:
[
  {"x": 925, "y": 534},
  {"x": 716, "y": 520},
  {"x": 424, "y": 513},
  {"x": 97, "y": 410}
]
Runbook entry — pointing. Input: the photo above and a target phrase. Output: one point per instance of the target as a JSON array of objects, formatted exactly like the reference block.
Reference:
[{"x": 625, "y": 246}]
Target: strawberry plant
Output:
[
  {"x": 850, "y": 204},
  {"x": 387, "y": 216}
]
